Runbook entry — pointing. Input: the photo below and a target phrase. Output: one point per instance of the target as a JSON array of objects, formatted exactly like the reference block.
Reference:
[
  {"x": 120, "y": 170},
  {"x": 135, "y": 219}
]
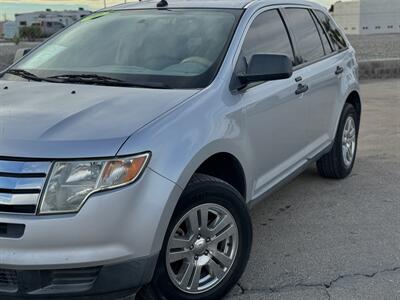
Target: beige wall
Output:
[
  {"x": 347, "y": 14},
  {"x": 380, "y": 16},
  {"x": 368, "y": 16}
]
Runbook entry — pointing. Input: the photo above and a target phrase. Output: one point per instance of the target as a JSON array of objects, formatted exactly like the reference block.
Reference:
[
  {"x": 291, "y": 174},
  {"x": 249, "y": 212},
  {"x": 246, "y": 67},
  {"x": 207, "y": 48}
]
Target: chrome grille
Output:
[{"x": 21, "y": 183}]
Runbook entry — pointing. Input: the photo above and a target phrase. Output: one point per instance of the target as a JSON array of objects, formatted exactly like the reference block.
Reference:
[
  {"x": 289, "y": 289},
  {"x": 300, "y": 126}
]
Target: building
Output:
[
  {"x": 50, "y": 21},
  {"x": 8, "y": 30},
  {"x": 368, "y": 16}
]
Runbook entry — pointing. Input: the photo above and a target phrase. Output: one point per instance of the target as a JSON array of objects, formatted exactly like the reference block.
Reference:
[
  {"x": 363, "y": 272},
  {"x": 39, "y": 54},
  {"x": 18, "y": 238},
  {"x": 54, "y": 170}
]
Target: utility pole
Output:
[{"x": 105, "y": 3}]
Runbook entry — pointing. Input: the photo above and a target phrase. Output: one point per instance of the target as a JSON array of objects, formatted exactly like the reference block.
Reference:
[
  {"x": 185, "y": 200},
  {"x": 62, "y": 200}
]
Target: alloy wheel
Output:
[
  {"x": 349, "y": 141},
  {"x": 202, "y": 248}
]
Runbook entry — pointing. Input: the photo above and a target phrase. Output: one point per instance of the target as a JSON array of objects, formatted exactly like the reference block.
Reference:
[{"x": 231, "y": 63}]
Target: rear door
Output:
[
  {"x": 341, "y": 58},
  {"x": 318, "y": 73}
]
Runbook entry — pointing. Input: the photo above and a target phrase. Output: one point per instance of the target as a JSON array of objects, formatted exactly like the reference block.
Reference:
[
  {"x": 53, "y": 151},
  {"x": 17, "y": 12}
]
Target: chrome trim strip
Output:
[
  {"x": 19, "y": 199},
  {"x": 24, "y": 167},
  {"x": 13, "y": 183}
]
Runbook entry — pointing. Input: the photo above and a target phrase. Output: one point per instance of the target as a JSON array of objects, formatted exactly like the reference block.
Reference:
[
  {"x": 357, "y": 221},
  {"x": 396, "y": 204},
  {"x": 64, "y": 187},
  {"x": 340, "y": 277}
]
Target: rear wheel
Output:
[
  {"x": 207, "y": 245},
  {"x": 339, "y": 162}
]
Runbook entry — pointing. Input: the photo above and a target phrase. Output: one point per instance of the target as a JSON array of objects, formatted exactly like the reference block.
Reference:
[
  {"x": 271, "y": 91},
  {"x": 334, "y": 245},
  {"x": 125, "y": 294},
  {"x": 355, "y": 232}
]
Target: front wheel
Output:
[{"x": 207, "y": 245}]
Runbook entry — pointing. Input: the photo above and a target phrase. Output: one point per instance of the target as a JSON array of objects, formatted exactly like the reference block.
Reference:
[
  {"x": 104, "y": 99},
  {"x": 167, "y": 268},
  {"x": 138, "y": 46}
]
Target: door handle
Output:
[
  {"x": 298, "y": 79},
  {"x": 339, "y": 70},
  {"x": 302, "y": 88}
]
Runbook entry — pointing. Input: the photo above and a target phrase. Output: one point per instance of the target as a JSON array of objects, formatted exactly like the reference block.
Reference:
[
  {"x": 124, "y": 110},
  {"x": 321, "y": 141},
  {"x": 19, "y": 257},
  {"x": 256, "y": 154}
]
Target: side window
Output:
[
  {"x": 327, "y": 46},
  {"x": 306, "y": 34},
  {"x": 267, "y": 35},
  {"x": 338, "y": 42}
]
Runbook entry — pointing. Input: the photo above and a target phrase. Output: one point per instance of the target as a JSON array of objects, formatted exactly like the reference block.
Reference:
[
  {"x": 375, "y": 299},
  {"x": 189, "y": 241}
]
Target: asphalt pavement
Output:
[{"x": 327, "y": 239}]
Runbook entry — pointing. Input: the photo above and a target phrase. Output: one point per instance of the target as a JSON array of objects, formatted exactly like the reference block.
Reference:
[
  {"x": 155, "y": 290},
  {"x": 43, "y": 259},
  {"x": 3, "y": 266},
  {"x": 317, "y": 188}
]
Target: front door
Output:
[{"x": 275, "y": 113}]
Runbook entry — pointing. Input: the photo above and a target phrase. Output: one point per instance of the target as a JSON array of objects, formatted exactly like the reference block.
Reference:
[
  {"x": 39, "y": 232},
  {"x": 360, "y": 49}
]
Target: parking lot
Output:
[{"x": 326, "y": 239}]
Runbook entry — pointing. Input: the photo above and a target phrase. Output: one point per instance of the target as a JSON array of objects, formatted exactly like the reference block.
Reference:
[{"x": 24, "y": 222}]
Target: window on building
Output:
[
  {"x": 346, "y": 28},
  {"x": 306, "y": 34},
  {"x": 267, "y": 35},
  {"x": 23, "y": 23},
  {"x": 338, "y": 42},
  {"x": 354, "y": 28},
  {"x": 390, "y": 27},
  {"x": 377, "y": 27}
]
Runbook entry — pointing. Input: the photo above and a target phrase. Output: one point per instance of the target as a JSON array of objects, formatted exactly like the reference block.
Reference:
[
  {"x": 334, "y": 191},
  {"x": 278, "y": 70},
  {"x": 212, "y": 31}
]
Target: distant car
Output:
[{"x": 134, "y": 142}]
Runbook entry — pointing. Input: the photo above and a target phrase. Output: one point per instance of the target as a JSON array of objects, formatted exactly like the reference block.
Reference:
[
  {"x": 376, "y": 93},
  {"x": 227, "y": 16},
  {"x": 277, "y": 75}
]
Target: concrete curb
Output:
[{"x": 379, "y": 68}]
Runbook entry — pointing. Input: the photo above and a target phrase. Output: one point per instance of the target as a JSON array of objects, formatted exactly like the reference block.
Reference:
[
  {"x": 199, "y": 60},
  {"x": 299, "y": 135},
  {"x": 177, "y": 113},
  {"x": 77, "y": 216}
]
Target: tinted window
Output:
[
  {"x": 306, "y": 34},
  {"x": 338, "y": 42},
  {"x": 327, "y": 47},
  {"x": 267, "y": 35}
]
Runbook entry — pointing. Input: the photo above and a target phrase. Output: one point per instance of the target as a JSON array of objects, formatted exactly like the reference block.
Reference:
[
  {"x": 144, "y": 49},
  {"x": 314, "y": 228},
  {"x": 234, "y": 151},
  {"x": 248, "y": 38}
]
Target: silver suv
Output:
[{"x": 134, "y": 142}]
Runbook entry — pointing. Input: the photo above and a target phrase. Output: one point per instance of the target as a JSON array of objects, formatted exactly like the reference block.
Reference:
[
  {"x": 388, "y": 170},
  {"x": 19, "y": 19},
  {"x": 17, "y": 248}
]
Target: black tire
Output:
[
  {"x": 205, "y": 189},
  {"x": 332, "y": 164}
]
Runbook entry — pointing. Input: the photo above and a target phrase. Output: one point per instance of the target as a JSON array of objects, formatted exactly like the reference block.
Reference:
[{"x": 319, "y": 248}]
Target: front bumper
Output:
[
  {"x": 112, "y": 228},
  {"x": 103, "y": 282}
]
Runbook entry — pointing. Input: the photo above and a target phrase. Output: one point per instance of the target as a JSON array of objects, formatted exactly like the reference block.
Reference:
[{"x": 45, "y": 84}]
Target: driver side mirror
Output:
[
  {"x": 267, "y": 67},
  {"x": 21, "y": 53}
]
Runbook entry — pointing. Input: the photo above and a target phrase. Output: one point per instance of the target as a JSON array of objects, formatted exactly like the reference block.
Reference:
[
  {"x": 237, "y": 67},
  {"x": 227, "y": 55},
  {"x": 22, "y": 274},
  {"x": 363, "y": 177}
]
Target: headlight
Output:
[{"x": 71, "y": 183}]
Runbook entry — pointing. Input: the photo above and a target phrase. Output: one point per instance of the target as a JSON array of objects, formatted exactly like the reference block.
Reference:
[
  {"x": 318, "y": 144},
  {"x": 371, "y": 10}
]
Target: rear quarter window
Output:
[
  {"x": 334, "y": 34},
  {"x": 325, "y": 41}
]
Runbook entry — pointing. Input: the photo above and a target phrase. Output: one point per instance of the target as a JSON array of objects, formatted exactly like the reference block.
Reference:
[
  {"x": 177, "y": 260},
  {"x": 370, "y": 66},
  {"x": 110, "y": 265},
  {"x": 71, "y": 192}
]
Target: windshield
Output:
[{"x": 178, "y": 48}]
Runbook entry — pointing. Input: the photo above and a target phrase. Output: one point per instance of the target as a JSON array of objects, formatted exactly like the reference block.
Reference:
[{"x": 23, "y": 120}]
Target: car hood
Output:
[{"x": 51, "y": 120}]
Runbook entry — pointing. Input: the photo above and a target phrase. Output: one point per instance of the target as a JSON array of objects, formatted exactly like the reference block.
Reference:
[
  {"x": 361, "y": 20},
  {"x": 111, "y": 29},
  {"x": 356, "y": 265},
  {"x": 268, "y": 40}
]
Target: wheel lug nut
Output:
[
  {"x": 191, "y": 247},
  {"x": 199, "y": 236},
  {"x": 196, "y": 257}
]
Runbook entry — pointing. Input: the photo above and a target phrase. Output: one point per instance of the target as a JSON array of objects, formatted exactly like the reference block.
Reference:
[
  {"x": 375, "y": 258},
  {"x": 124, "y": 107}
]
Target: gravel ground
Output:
[
  {"x": 376, "y": 46},
  {"x": 7, "y": 52},
  {"x": 367, "y": 46}
]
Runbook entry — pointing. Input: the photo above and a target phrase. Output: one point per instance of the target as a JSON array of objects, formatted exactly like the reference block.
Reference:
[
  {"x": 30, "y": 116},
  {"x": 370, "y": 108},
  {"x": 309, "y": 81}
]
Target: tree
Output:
[{"x": 30, "y": 33}]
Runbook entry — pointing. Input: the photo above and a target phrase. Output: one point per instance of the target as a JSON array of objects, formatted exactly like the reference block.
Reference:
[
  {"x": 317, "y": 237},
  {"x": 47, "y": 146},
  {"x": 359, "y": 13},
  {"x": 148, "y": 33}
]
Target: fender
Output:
[
  {"x": 178, "y": 152},
  {"x": 349, "y": 84}
]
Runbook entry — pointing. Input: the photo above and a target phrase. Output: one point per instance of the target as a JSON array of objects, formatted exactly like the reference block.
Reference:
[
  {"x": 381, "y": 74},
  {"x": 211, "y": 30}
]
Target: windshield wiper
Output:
[
  {"x": 86, "y": 78},
  {"x": 28, "y": 75},
  {"x": 105, "y": 80},
  {"x": 24, "y": 74}
]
